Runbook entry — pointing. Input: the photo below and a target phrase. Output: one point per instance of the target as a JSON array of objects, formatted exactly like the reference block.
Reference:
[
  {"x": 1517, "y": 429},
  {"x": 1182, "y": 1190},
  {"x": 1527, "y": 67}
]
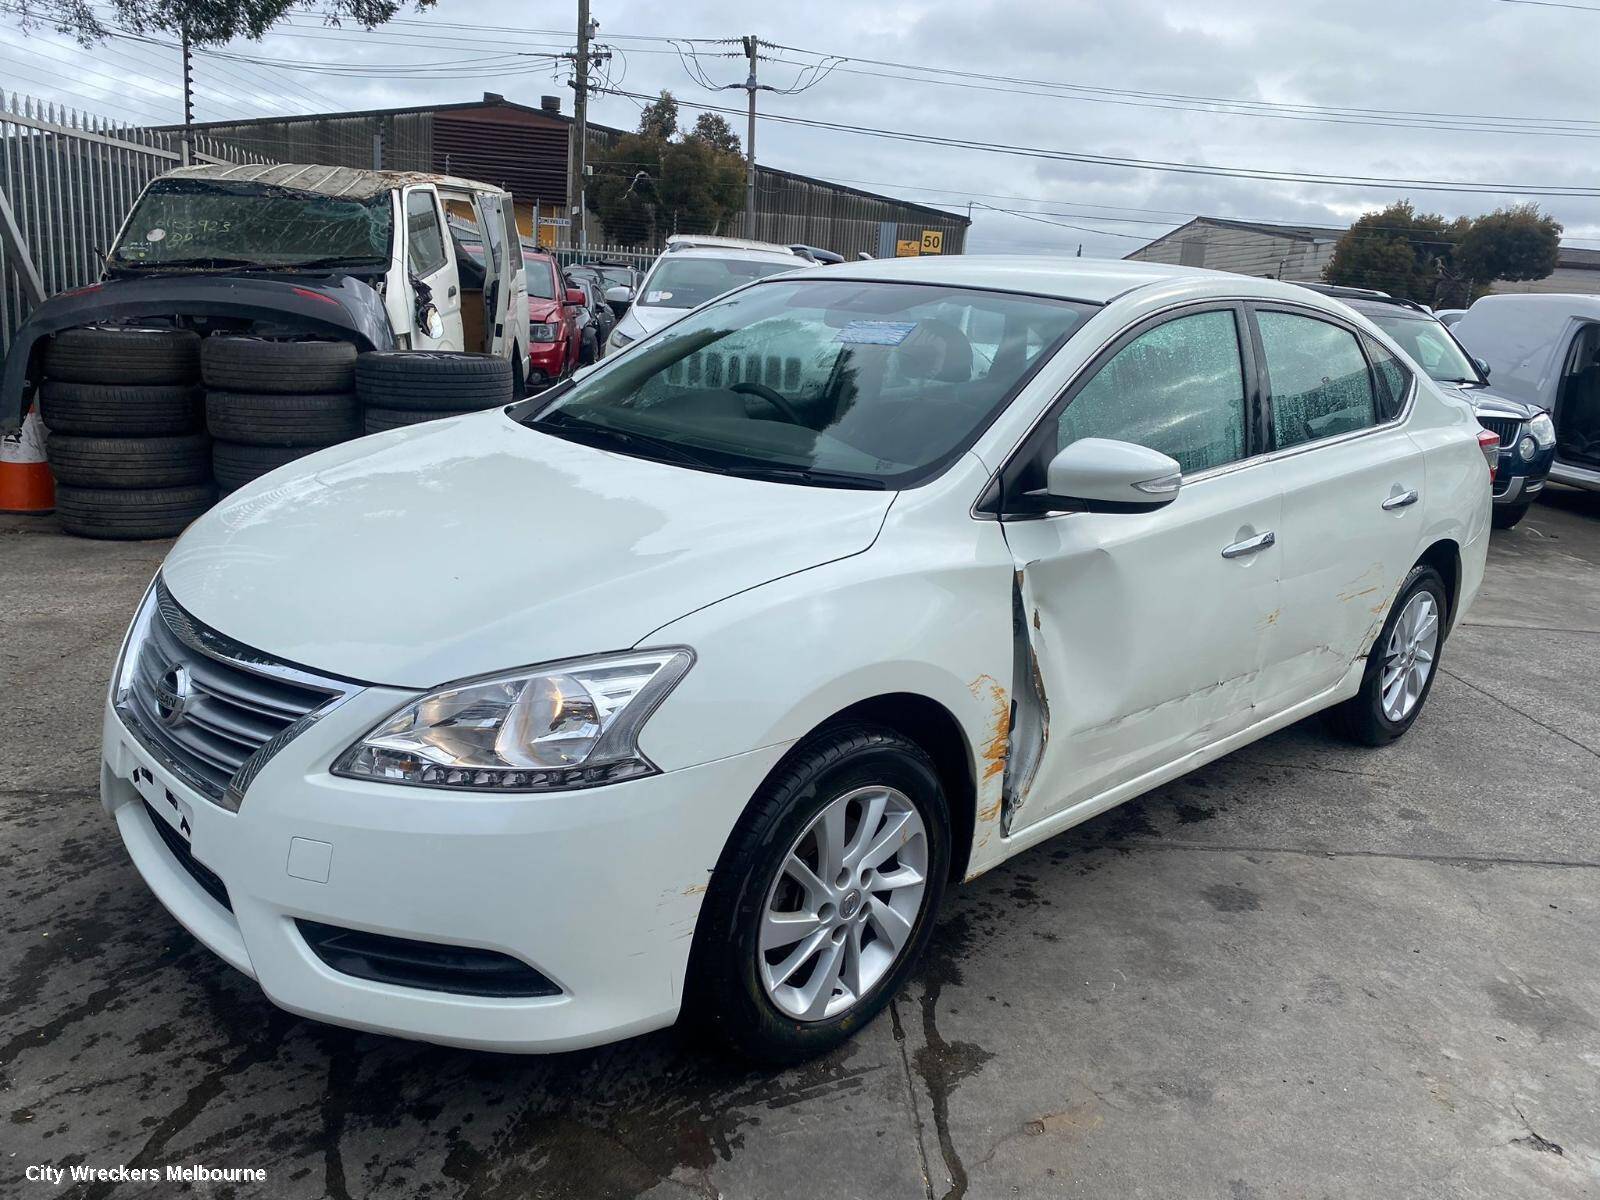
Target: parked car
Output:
[
  {"x": 744, "y": 646},
  {"x": 691, "y": 270},
  {"x": 1449, "y": 316},
  {"x": 1527, "y": 435},
  {"x": 587, "y": 325},
  {"x": 606, "y": 276},
  {"x": 298, "y": 251},
  {"x": 556, "y": 317},
  {"x": 1545, "y": 351},
  {"x": 604, "y": 320}
]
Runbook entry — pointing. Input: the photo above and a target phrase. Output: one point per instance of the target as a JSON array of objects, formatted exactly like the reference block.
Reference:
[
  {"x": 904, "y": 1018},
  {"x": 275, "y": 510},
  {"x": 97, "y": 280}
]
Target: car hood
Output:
[
  {"x": 651, "y": 317},
  {"x": 1486, "y": 402},
  {"x": 469, "y": 545},
  {"x": 543, "y": 310}
]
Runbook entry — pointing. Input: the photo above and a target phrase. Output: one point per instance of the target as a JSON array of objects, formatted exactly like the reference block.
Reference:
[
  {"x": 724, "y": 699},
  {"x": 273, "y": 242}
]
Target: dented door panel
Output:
[{"x": 1136, "y": 641}]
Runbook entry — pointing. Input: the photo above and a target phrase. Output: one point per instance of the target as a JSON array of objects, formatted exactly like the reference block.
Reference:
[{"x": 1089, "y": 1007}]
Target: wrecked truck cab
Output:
[{"x": 288, "y": 251}]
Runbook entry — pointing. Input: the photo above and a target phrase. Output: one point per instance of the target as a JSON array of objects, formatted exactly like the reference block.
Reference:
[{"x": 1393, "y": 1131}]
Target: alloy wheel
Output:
[
  {"x": 844, "y": 904},
  {"x": 1409, "y": 655}
]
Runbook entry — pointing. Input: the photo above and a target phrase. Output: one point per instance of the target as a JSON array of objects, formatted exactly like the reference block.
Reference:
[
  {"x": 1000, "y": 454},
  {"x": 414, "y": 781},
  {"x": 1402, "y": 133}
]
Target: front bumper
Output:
[
  {"x": 598, "y": 890},
  {"x": 546, "y": 360},
  {"x": 1518, "y": 480}
]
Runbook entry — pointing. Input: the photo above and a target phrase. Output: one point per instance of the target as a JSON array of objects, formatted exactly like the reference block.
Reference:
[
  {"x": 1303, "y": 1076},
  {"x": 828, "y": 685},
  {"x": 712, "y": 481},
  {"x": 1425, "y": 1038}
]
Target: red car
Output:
[{"x": 553, "y": 336}]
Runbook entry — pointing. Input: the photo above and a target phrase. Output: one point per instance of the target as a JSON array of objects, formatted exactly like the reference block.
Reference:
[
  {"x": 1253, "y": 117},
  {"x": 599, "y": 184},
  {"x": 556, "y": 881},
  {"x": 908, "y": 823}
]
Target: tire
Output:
[
  {"x": 380, "y": 419},
  {"x": 259, "y": 419},
  {"x": 1506, "y": 516},
  {"x": 727, "y": 993},
  {"x": 234, "y": 464},
  {"x": 132, "y": 514},
  {"x": 246, "y": 364},
  {"x": 118, "y": 462},
  {"x": 129, "y": 410},
  {"x": 123, "y": 356},
  {"x": 438, "y": 380},
  {"x": 1362, "y": 718}
]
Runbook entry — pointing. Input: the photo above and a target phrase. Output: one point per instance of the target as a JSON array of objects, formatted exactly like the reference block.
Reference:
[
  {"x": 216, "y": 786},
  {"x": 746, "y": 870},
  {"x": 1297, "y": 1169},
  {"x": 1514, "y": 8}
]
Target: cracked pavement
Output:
[{"x": 1305, "y": 970}]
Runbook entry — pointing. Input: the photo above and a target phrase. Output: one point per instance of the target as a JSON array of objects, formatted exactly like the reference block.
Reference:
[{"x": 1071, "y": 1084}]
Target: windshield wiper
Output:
[
  {"x": 166, "y": 264},
  {"x": 607, "y": 436},
  {"x": 809, "y": 475}
]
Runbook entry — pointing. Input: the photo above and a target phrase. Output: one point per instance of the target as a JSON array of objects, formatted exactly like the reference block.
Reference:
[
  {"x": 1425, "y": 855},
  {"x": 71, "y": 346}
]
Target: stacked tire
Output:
[
  {"x": 127, "y": 442},
  {"x": 270, "y": 402},
  {"x": 406, "y": 387}
]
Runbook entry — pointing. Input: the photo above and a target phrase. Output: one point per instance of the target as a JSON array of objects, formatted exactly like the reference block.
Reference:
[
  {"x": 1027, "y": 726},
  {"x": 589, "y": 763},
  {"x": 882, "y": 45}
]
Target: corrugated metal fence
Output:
[{"x": 70, "y": 178}]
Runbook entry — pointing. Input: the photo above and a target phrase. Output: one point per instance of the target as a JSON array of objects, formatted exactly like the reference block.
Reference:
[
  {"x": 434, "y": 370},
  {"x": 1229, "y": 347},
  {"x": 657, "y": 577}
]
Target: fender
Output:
[{"x": 341, "y": 306}]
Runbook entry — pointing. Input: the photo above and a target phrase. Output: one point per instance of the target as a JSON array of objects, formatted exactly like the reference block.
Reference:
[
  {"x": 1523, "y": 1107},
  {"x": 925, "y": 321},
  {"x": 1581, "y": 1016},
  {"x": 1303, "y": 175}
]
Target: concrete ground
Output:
[{"x": 1306, "y": 970}]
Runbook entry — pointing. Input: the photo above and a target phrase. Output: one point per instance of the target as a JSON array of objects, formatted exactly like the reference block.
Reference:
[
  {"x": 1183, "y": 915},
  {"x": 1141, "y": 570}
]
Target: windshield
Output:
[
  {"x": 833, "y": 383},
  {"x": 690, "y": 282},
  {"x": 202, "y": 222},
  {"x": 541, "y": 279},
  {"x": 1430, "y": 346}
]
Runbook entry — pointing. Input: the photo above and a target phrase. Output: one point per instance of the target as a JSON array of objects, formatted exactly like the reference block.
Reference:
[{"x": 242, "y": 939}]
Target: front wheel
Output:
[
  {"x": 824, "y": 897},
  {"x": 1402, "y": 665}
]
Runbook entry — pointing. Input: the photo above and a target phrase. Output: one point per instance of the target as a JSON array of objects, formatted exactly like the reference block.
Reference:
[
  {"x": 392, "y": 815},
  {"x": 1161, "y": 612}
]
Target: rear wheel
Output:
[
  {"x": 824, "y": 897},
  {"x": 1506, "y": 516},
  {"x": 1401, "y": 668}
]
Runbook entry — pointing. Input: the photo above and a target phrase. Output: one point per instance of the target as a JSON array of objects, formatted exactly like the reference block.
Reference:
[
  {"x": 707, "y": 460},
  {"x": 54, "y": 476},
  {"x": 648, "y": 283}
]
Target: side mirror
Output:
[
  {"x": 621, "y": 294},
  {"x": 429, "y": 321},
  {"x": 575, "y": 298},
  {"x": 1483, "y": 367},
  {"x": 1101, "y": 475}
]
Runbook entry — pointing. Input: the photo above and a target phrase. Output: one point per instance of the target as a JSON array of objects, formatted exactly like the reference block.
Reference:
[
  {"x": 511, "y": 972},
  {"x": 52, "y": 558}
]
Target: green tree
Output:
[
  {"x": 713, "y": 130},
  {"x": 208, "y": 22},
  {"x": 1424, "y": 257},
  {"x": 655, "y": 182}
]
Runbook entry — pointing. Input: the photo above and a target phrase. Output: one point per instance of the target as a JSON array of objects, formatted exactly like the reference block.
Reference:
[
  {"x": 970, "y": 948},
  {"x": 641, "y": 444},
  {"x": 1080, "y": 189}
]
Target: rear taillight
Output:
[{"x": 1489, "y": 443}]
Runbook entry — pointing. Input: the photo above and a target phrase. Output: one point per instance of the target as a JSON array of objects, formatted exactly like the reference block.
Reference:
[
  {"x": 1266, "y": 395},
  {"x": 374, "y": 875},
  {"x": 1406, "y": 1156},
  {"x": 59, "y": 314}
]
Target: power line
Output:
[{"x": 1168, "y": 166}]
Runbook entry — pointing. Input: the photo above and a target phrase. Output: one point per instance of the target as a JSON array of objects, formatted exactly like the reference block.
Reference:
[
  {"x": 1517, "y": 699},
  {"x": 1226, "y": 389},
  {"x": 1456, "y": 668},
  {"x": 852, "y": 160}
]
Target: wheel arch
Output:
[
  {"x": 933, "y": 727},
  {"x": 1444, "y": 556}
]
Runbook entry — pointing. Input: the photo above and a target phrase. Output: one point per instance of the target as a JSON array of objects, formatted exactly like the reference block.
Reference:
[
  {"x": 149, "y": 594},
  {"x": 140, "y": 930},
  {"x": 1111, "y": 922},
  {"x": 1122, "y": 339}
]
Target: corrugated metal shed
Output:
[
  {"x": 524, "y": 150},
  {"x": 1296, "y": 253}
]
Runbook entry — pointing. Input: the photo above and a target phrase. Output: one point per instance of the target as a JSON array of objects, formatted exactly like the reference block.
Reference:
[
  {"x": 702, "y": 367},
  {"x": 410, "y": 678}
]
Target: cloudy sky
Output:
[{"x": 1475, "y": 92}]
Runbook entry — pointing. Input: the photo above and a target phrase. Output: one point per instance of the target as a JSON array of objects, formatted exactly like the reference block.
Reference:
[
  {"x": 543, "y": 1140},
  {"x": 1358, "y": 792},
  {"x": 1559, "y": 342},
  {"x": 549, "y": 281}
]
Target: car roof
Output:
[
  {"x": 680, "y": 242},
  {"x": 353, "y": 183},
  {"x": 1367, "y": 299},
  {"x": 1094, "y": 280}
]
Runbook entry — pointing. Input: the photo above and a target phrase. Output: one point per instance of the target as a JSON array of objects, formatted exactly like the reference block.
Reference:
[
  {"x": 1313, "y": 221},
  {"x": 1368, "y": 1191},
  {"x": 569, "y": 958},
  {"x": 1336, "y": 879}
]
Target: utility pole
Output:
[
  {"x": 577, "y": 157},
  {"x": 188, "y": 98},
  {"x": 751, "y": 45}
]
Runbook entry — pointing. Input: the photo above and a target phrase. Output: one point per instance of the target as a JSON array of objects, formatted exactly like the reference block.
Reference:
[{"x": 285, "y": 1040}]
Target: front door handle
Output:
[
  {"x": 450, "y": 292},
  {"x": 1250, "y": 545},
  {"x": 1400, "y": 500}
]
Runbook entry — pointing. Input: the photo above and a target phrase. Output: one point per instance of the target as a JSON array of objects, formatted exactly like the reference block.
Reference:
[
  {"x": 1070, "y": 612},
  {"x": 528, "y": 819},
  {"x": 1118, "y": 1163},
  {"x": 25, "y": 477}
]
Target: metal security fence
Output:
[
  {"x": 637, "y": 257},
  {"x": 67, "y": 180}
]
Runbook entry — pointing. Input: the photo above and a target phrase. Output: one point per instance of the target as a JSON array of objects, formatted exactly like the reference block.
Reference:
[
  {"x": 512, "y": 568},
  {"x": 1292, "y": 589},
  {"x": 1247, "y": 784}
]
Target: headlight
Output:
[
  {"x": 1526, "y": 449},
  {"x": 1543, "y": 430},
  {"x": 566, "y": 725},
  {"x": 619, "y": 339},
  {"x": 542, "y": 333}
]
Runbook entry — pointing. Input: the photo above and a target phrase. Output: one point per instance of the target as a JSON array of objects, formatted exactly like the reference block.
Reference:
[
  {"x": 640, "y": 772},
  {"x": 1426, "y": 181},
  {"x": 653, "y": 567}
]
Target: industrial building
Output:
[
  {"x": 524, "y": 149},
  {"x": 1298, "y": 254}
]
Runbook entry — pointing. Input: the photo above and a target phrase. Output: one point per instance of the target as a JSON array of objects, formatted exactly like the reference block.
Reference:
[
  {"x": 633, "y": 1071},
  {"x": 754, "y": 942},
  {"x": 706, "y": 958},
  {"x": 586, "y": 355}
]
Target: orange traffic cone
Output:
[{"x": 25, "y": 483}]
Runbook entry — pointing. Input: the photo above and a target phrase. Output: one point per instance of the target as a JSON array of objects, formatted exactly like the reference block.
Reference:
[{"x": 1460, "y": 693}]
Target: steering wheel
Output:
[{"x": 763, "y": 392}]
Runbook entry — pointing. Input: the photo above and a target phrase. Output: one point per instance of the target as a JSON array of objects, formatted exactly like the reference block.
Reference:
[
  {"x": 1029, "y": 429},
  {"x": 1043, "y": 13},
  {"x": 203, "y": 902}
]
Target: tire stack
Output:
[
  {"x": 127, "y": 442},
  {"x": 406, "y": 387},
  {"x": 271, "y": 402}
]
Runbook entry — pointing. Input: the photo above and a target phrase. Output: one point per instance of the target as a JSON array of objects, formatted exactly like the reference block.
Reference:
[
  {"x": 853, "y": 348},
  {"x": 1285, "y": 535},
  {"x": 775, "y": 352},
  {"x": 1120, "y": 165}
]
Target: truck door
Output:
[
  {"x": 501, "y": 261},
  {"x": 431, "y": 271}
]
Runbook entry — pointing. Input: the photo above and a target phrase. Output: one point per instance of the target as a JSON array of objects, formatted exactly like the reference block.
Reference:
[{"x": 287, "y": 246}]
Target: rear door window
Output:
[
  {"x": 1392, "y": 378},
  {"x": 1319, "y": 383}
]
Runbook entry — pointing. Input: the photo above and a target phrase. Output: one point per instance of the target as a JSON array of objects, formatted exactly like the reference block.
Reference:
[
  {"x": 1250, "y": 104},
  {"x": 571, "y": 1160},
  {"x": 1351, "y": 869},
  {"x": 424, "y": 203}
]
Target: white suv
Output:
[
  {"x": 689, "y": 686},
  {"x": 693, "y": 269}
]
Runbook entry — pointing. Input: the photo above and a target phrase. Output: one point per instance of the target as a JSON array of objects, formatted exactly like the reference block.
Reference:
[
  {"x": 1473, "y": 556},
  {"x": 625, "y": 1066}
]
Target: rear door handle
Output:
[
  {"x": 1250, "y": 545},
  {"x": 1402, "y": 500}
]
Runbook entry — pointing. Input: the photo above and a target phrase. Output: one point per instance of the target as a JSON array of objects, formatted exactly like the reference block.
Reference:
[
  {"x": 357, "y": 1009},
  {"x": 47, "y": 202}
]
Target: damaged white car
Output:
[{"x": 688, "y": 688}]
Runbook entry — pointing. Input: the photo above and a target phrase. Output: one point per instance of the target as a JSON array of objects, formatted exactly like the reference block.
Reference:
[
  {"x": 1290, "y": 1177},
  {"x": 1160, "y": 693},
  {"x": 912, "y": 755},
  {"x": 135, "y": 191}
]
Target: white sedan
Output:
[{"x": 689, "y": 687}]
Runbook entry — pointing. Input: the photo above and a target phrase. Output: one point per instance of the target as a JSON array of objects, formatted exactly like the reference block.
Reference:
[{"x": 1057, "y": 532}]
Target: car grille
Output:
[
  {"x": 211, "y": 709},
  {"x": 1506, "y": 427}
]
